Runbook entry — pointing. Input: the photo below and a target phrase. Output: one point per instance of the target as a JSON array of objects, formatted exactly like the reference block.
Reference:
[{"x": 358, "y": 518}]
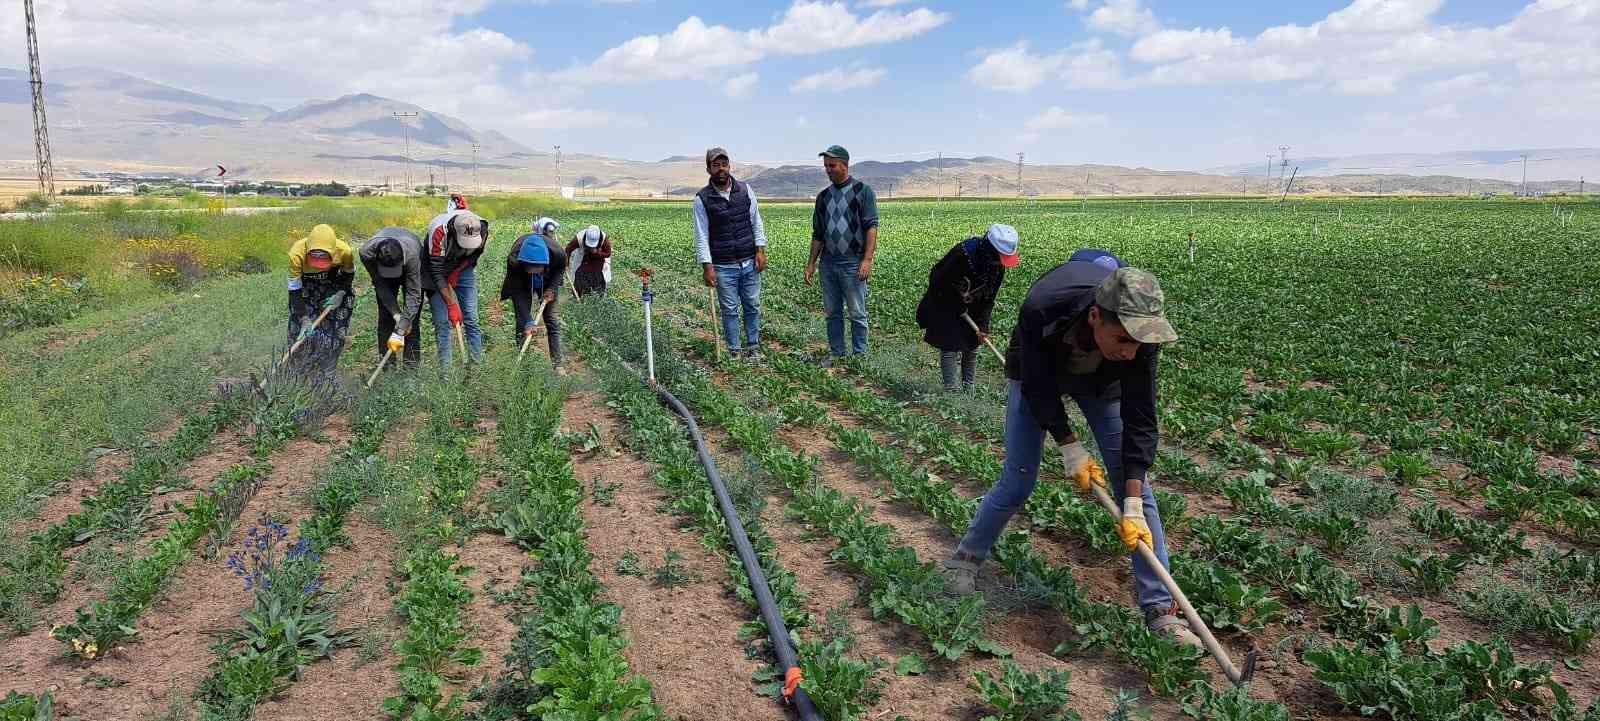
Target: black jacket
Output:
[
  {"x": 973, "y": 264},
  {"x": 517, "y": 284},
  {"x": 1058, "y": 305}
]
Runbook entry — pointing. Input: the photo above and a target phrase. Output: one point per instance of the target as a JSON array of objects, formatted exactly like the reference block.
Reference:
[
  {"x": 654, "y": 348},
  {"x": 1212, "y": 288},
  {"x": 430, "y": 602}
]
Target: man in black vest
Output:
[{"x": 731, "y": 245}]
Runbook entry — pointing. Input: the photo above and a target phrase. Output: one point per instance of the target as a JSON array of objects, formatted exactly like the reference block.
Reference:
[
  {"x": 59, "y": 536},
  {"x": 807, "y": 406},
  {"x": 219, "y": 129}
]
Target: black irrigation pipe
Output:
[{"x": 777, "y": 632}]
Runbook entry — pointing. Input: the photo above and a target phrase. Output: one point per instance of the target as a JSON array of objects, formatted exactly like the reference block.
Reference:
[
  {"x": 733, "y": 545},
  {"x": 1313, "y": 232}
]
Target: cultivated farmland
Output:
[{"x": 1379, "y": 468}]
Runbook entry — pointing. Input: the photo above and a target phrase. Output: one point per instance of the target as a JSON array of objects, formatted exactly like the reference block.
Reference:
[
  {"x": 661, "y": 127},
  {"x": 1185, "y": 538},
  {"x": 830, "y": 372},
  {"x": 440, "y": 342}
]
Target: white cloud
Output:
[
  {"x": 571, "y": 118},
  {"x": 314, "y": 51},
  {"x": 695, "y": 49},
  {"x": 1367, "y": 85},
  {"x": 1079, "y": 5},
  {"x": 1169, "y": 45},
  {"x": 1085, "y": 65},
  {"x": 881, "y": 3},
  {"x": 1124, "y": 17},
  {"x": 839, "y": 80},
  {"x": 1382, "y": 16},
  {"x": 1057, "y": 118},
  {"x": 1367, "y": 47},
  {"x": 740, "y": 86}
]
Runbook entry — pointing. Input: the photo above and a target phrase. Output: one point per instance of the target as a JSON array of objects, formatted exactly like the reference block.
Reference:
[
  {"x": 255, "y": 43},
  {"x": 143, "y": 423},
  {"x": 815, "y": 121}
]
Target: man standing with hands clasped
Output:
[
  {"x": 731, "y": 245},
  {"x": 1092, "y": 330},
  {"x": 844, "y": 239}
]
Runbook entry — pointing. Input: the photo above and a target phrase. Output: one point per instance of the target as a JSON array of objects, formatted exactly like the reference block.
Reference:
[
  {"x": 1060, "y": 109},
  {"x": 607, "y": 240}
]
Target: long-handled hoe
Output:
[
  {"x": 716, "y": 328},
  {"x": 1238, "y": 677},
  {"x": 997, "y": 354},
  {"x": 381, "y": 363},
  {"x": 527, "y": 338}
]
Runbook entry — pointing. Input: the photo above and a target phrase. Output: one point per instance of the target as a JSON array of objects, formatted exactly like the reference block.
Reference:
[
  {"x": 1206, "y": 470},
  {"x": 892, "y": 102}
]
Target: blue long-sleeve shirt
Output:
[{"x": 702, "y": 226}]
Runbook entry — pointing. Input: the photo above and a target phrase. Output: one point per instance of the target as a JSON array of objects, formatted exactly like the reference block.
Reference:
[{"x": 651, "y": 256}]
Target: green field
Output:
[{"x": 1380, "y": 467}]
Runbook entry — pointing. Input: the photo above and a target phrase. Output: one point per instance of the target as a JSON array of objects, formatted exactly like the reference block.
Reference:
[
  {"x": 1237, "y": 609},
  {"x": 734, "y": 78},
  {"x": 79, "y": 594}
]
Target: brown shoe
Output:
[
  {"x": 961, "y": 576},
  {"x": 1170, "y": 622}
]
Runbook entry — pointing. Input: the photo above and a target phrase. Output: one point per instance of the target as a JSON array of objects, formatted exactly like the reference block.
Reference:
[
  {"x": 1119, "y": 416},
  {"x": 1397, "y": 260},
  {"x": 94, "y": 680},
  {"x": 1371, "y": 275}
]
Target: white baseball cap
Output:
[
  {"x": 1004, "y": 238},
  {"x": 545, "y": 225},
  {"x": 592, "y": 236}
]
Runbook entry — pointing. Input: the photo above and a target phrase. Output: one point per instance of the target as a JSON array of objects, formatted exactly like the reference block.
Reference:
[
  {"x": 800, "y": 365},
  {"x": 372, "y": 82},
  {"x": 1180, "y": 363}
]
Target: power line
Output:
[
  {"x": 41, "y": 130},
  {"x": 406, "y": 129}
]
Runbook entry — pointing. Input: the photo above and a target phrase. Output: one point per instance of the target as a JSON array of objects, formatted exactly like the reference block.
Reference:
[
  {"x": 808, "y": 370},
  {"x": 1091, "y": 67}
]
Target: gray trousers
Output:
[{"x": 969, "y": 368}]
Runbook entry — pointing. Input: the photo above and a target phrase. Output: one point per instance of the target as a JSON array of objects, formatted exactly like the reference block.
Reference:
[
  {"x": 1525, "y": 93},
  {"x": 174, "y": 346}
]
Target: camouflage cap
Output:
[{"x": 1135, "y": 296}]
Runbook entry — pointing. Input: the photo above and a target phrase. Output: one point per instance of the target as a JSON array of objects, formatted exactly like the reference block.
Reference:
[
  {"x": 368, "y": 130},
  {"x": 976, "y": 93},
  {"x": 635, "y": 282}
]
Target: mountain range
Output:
[{"x": 104, "y": 121}]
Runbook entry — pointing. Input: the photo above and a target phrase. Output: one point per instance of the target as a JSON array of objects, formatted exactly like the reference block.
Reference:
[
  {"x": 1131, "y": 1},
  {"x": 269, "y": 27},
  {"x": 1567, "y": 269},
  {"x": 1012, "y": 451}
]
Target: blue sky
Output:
[{"x": 1160, "y": 83}]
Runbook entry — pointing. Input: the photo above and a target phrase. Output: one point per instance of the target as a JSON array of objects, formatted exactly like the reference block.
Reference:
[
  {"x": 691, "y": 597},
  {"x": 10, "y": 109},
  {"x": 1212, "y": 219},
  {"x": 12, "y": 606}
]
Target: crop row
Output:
[
  {"x": 290, "y": 622},
  {"x": 567, "y": 658},
  {"x": 108, "y": 623},
  {"x": 432, "y": 601},
  {"x": 37, "y": 569}
]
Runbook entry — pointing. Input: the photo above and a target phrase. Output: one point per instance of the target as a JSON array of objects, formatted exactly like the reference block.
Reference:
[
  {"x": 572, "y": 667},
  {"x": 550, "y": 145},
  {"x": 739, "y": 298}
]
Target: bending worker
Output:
[
  {"x": 589, "y": 257},
  {"x": 393, "y": 259},
  {"x": 534, "y": 271},
  {"x": 1092, "y": 331},
  {"x": 455, "y": 241},
  {"x": 322, "y": 272},
  {"x": 966, "y": 281}
]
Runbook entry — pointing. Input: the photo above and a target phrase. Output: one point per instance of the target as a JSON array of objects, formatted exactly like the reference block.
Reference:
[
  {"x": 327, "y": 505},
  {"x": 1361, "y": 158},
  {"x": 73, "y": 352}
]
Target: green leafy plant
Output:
[{"x": 1019, "y": 695}]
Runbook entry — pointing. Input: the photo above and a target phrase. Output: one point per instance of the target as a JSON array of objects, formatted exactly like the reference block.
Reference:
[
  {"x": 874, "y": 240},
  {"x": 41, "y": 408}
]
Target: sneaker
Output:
[
  {"x": 961, "y": 576},
  {"x": 754, "y": 355},
  {"x": 1170, "y": 622}
]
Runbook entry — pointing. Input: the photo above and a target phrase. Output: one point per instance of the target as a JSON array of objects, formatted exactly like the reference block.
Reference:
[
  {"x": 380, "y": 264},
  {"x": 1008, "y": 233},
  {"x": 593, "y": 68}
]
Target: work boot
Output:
[
  {"x": 961, "y": 574},
  {"x": 754, "y": 355},
  {"x": 1170, "y": 622}
]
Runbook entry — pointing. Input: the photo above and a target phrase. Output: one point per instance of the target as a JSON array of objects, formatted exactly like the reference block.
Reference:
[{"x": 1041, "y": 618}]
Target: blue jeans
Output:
[
  {"x": 844, "y": 294},
  {"x": 1024, "y": 444},
  {"x": 739, "y": 285},
  {"x": 443, "y": 333}
]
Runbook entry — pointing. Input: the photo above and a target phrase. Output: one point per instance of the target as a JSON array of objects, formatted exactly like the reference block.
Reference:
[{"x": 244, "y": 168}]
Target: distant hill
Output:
[
  {"x": 104, "y": 121},
  {"x": 1503, "y": 165}
]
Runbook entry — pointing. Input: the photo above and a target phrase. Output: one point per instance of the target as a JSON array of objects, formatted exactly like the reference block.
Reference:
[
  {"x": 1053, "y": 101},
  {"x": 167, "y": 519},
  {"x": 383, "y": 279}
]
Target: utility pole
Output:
[
  {"x": 1268, "y": 176},
  {"x": 940, "y": 181},
  {"x": 1524, "y": 175},
  {"x": 558, "y": 170},
  {"x": 406, "y": 128},
  {"x": 41, "y": 131},
  {"x": 1283, "y": 161},
  {"x": 475, "y": 187},
  {"x": 1580, "y": 186},
  {"x": 1019, "y": 175}
]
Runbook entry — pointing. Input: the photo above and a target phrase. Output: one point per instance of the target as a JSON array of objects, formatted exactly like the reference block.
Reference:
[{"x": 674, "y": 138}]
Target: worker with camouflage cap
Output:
[{"x": 1092, "y": 329}]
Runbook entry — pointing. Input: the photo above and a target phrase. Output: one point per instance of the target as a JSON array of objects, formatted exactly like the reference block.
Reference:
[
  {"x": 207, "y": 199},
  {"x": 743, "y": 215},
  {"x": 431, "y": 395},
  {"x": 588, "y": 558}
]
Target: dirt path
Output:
[
  {"x": 35, "y": 653},
  {"x": 683, "y": 639},
  {"x": 495, "y": 561},
  {"x": 174, "y": 650}
]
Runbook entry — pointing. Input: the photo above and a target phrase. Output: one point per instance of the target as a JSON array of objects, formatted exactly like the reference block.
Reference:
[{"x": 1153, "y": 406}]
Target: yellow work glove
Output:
[
  {"x": 397, "y": 343},
  {"x": 1133, "y": 527},
  {"x": 1080, "y": 467}
]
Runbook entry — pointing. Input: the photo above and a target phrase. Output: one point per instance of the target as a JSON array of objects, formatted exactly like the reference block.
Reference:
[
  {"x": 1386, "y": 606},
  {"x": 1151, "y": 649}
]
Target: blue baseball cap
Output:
[{"x": 533, "y": 251}]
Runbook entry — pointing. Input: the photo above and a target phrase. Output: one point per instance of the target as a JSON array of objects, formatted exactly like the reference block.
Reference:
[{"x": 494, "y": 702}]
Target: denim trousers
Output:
[
  {"x": 739, "y": 287},
  {"x": 844, "y": 295},
  {"x": 1024, "y": 444},
  {"x": 964, "y": 360},
  {"x": 443, "y": 333}
]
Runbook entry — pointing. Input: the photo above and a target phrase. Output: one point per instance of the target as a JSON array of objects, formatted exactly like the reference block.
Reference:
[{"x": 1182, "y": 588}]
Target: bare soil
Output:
[
  {"x": 173, "y": 651},
  {"x": 683, "y": 639}
]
